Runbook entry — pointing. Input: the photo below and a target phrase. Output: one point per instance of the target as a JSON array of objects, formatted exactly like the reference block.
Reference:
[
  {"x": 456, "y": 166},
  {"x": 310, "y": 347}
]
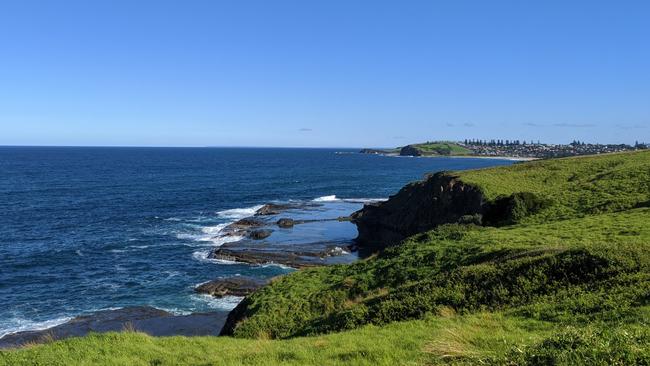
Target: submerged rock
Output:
[
  {"x": 247, "y": 222},
  {"x": 260, "y": 234},
  {"x": 272, "y": 209},
  {"x": 152, "y": 321},
  {"x": 234, "y": 286},
  {"x": 295, "y": 256},
  {"x": 285, "y": 223}
]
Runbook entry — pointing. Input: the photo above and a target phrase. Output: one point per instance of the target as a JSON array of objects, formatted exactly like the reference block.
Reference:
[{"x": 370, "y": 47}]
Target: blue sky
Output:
[{"x": 322, "y": 73}]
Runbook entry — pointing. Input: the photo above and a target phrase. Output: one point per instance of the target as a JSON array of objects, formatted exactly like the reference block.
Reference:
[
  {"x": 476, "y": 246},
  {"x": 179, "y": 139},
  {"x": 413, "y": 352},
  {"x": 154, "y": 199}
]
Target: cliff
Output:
[{"x": 419, "y": 206}]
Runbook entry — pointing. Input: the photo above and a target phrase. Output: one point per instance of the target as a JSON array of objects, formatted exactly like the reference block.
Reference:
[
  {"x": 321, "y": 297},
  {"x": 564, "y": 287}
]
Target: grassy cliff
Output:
[
  {"x": 441, "y": 148},
  {"x": 566, "y": 281}
]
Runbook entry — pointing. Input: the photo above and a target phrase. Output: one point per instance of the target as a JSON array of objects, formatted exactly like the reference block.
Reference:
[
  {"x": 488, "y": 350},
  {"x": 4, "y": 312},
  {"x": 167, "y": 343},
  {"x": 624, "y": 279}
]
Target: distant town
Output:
[{"x": 506, "y": 148}]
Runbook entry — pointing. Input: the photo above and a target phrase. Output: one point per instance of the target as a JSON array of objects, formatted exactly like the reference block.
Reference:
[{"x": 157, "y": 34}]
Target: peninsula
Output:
[{"x": 516, "y": 149}]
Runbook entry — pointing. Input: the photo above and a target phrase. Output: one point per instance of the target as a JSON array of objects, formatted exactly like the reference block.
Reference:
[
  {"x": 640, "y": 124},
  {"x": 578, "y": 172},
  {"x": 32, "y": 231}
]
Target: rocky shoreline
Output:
[
  {"x": 252, "y": 249},
  {"x": 419, "y": 206},
  {"x": 262, "y": 225},
  {"x": 146, "y": 319}
]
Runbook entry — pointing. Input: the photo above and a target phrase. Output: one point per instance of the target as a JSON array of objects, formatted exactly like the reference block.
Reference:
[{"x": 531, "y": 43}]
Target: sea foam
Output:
[
  {"x": 331, "y": 198},
  {"x": 21, "y": 324},
  {"x": 239, "y": 213}
]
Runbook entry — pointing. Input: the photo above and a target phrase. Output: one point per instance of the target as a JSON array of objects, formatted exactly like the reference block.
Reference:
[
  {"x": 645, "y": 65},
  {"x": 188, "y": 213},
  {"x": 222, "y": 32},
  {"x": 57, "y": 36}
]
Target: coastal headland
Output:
[
  {"x": 502, "y": 149},
  {"x": 541, "y": 262}
]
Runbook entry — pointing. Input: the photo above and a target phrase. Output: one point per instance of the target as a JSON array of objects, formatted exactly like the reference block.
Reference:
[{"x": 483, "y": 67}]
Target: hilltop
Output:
[{"x": 538, "y": 263}]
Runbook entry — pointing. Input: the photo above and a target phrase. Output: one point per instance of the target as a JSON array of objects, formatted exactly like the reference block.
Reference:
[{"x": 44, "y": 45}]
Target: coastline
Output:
[{"x": 510, "y": 158}]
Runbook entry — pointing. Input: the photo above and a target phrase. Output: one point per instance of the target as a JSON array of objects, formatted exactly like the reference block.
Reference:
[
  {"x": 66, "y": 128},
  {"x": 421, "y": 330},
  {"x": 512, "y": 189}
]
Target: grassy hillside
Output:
[
  {"x": 587, "y": 268},
  {"x": 442, "y": 148},
  {"x": 567, "y": 283},
  {"x": 574, "y": 186}
]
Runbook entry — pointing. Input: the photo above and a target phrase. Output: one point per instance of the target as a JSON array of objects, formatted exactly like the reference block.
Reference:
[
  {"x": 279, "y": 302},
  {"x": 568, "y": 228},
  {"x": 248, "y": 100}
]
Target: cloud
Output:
[
  {"x": 574, "y": 125},
  {"x": 530, "y": 124},
  {"x": 304, "y": 129},
  {"x": 631, "y": 127},
  {"x": 468, "y": 124},
  {"x": 449, "y": 124}
]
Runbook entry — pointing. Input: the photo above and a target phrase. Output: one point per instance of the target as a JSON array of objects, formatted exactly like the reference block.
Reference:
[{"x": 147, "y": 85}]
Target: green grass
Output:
[
  {"x": 442, "y": 148},
  {"x": 367, "y": 346},
  {"x": 574, "y": 186},
  {"x": 547, "y": 271},
  {"x": 449, "y": 339}
]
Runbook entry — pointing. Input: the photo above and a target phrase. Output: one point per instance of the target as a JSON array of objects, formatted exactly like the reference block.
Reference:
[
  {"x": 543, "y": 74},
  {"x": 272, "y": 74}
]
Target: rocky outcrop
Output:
[
  {"x": 441, "y": 198},
  {"x": 419, "y": 206},
  {"x": 247, "y": 223},
  {"x": 273, "y": 209},
  {"x": 234, "y": 286},
  {"x": 260, "y": 234},
  {"x": 145, "y": 319},
  {"x": 286, "y": 223},
  {"x": 291, "y": 255},
  {"x": 410, "y": 150}
]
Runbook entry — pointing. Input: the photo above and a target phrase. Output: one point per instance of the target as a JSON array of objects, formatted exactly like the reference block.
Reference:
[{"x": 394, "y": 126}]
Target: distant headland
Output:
[{"x": 509, "y": 149}]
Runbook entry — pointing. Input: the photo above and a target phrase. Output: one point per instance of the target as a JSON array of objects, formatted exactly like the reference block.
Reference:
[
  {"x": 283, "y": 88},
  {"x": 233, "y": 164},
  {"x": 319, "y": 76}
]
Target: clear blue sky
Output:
[{"x": 322, "y": 73}]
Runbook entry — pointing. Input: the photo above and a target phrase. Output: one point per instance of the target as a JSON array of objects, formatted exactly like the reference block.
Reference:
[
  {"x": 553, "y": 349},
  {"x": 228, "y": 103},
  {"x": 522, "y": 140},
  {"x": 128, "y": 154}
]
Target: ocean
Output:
[{"x": 88, "y": 229}]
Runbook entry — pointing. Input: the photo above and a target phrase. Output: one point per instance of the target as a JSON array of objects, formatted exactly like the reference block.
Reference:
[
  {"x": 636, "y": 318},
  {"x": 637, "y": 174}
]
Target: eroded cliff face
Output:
[{"x": 419, "y": 206}]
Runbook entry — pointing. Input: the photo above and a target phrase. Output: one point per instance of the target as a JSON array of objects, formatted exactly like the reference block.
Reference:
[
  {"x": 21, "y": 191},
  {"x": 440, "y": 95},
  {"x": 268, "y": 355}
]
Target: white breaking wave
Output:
[
  {"x": 214, "y": 230},
  {"x": 203, "y": 256},
  {"x": 20, "y": 325},
  {"x": 211, "y": 236},
  {"x": 224, "y": 303},
  {"x": 331, "y": 198},
  {"x": 364, "y": 200},
  {"x": 239, "y": 213},
  {"x": 273, "y": 264}
]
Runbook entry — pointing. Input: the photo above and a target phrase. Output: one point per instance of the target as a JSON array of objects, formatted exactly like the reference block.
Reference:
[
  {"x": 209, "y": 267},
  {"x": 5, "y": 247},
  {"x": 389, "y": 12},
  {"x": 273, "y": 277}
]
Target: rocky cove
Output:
[
  {"x": 276, "y": 234},
  {"x": 265, "y": 238}
]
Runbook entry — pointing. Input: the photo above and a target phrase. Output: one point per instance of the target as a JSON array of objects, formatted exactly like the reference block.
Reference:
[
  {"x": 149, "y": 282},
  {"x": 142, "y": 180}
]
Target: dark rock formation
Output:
[
  {"x": 260, "y": 234},
  {"x": 235, "y": 315},
  {"x": 285, "y": 223},
  {"x": 439, "y": 199},
  {"x": 417, "y": 207},
  {"x": 247, "y": 223},
  {"x": 242, "y": 227},
  {"x": 234, "y": 286},
  {"x": 291, "y": 255},
  {"x": 272, "y": 209},
  {"x": 145, "y": 319},
  {"x": 410, "y": 150}
]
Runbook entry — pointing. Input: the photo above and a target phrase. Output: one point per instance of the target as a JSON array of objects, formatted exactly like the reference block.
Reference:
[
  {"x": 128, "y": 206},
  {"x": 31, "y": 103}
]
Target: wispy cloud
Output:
[
  {"x": 531, "y": 124},
  {"x": 305, "y": 129},
  {"x": 631, "y": 127},
  {"x": 574, "y": 125},
  {"x": 449, "y": 124},
  {"x": 468, "y": 124}
]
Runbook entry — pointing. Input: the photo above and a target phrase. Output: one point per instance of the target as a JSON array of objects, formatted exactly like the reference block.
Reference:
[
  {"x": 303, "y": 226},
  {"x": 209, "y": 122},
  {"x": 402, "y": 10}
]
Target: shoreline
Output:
[{"x": 510, "y": 158}]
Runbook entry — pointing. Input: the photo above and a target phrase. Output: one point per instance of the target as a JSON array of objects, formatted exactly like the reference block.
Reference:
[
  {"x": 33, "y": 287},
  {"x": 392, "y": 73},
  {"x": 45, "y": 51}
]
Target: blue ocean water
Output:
[{"x": 84, "y": 229}]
